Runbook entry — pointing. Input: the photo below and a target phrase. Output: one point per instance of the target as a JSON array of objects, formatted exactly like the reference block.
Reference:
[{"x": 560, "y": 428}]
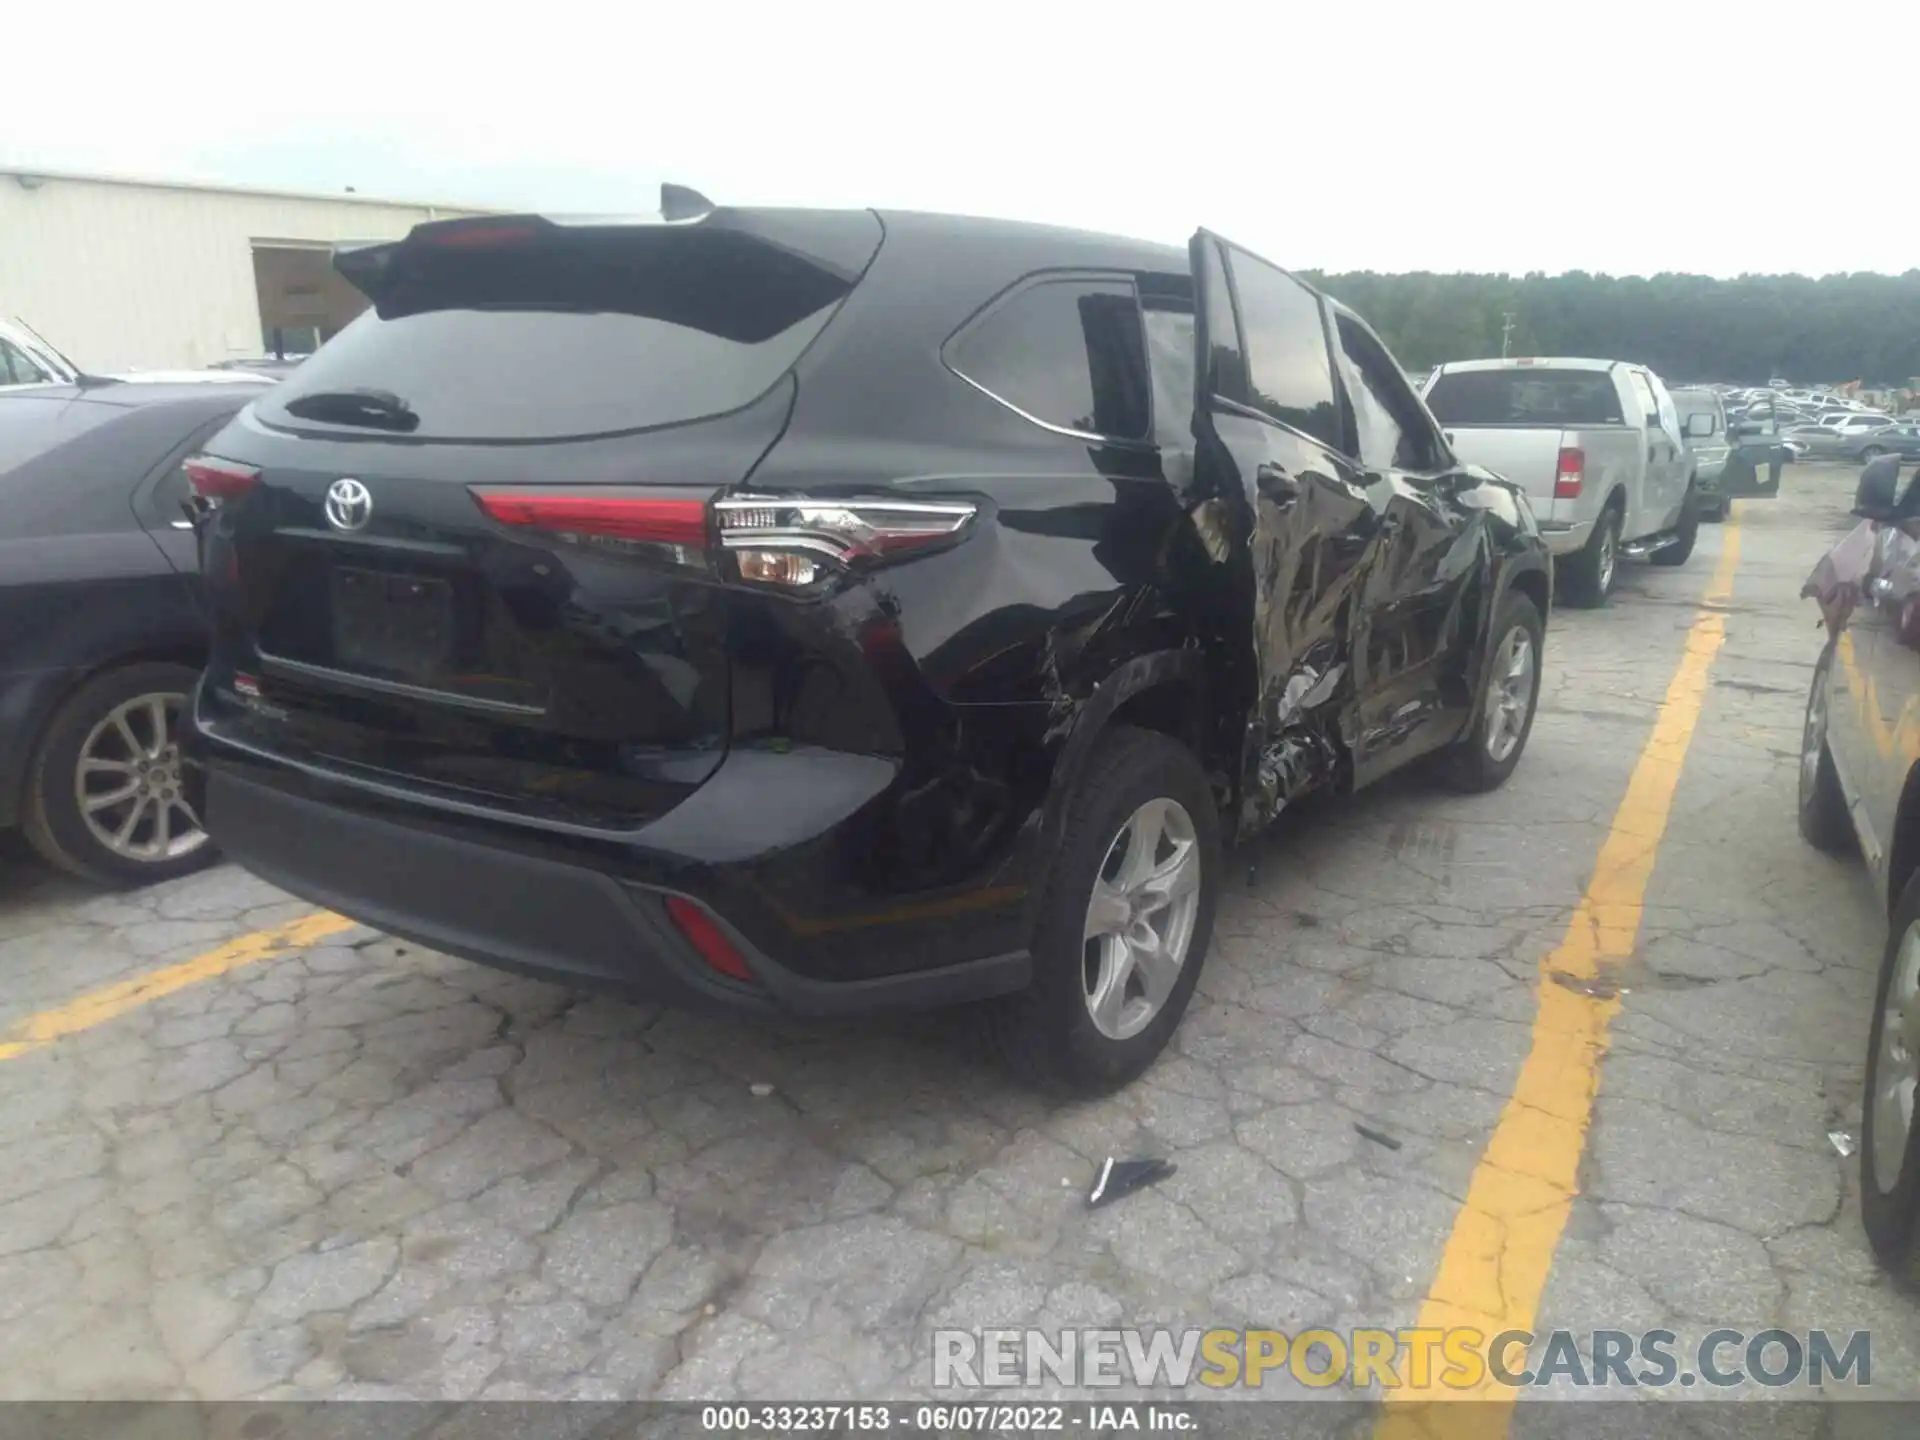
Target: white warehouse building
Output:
[{"x": 123, "y": 274}]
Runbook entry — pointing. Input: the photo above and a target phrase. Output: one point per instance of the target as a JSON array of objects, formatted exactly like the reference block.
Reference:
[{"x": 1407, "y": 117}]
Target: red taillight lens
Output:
[
  {"x": 215, "y": 479},
  {"x": 1571, "y": 474},
  {"x": 707, "y": 937},
  {"x": 661, "y": 520}
]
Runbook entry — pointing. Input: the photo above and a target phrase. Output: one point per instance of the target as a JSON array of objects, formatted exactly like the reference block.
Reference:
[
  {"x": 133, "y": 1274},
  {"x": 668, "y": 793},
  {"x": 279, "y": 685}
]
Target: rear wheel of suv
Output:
[
  {"x": 1824, "y": 821},
  {"x": 1688, "y": 529},
  {"x": 104, "y": 796},
  {"x": 1124, "y": 925},
  {"x": 1889, "y": 1139},
  {"x": 1486, "y": 755},
  {"x": 1586, "y": 576}
]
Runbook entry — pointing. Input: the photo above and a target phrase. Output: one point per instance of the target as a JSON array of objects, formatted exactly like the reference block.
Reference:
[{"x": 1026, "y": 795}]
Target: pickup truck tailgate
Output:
[{"x": 1529, "y": 458}]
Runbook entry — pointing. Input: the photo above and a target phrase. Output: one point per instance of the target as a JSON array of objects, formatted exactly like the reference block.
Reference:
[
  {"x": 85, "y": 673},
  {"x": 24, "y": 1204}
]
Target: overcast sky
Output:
[{"x": 1630, "y": 138}]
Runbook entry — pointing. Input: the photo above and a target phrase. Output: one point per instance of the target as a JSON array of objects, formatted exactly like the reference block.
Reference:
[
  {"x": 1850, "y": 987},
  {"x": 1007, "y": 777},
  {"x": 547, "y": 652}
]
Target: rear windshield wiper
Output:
[{"x": 373, "y": 409}]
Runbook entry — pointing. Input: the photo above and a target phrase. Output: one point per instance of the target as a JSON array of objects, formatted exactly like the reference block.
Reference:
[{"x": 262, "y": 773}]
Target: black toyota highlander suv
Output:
[{"x": 825, "y": 611}]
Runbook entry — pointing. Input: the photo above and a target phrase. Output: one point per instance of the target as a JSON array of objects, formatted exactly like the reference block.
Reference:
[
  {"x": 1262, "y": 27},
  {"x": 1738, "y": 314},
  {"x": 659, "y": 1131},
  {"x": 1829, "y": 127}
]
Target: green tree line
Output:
[{"x": 1838, "y": 328}]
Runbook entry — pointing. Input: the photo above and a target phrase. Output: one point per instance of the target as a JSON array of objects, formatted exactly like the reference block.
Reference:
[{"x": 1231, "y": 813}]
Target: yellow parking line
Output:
[
  {"x": 1495, "y": 1266},
  {"x": 37, "y": 1031}
]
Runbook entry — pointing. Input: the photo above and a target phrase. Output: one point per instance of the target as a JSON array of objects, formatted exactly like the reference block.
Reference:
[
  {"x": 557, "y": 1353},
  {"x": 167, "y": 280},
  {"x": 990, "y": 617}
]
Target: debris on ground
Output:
[
  {"x": 1120, "y": 1178},
  {"x": 1378, "y": 1137},
  {"x": 1844, "y": 1142},
  {"x": 760, "y": 1089},
  {"x": 1593, "y": 989}
]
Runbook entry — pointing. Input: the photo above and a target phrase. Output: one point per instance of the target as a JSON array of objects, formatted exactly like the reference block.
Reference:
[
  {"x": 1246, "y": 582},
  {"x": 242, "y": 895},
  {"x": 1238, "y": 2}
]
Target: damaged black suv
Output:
[{"x": 817, "y": 612}]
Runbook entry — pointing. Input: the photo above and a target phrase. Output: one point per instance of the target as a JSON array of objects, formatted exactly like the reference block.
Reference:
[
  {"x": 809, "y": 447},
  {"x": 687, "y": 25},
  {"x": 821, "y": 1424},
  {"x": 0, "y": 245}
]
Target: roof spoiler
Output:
[{"x": 365, "y": 265}]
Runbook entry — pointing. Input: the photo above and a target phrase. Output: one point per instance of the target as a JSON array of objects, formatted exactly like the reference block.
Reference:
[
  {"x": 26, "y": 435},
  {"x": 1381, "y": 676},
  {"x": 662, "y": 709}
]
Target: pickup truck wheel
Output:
[
  {"x": 105, "y": 794},
  {"x": 1688, "y": 529},
  {"x": 1889, "y": 1139},
  {"x": 1124, "y": 924},
  {"x": 1824, "y": 821},
  {"x": 1486, "y": 755},
  {"x": 1586, "y": 576}
]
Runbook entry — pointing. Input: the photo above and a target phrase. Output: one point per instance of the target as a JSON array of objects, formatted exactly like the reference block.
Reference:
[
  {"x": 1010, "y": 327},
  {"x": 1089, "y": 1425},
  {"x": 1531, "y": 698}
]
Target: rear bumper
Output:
[{"x": 595, "y": 914}]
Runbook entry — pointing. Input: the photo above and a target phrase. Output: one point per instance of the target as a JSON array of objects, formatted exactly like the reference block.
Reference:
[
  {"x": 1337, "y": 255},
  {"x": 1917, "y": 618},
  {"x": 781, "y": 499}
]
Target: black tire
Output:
[
  {"x": 1688, "y": 529},
  {"x": 1871, "y": 453},
  {"x": 1716, "y": 513},
  {"x": 1824, "y": 821},
  {"x": 53, "y": 818},
  {"x": 1586, "y": 576},
  {"x": 1891, "y": 1213},
  {"x": 1046, "y": 1034},
  {"x": 1469, "y": 764}
]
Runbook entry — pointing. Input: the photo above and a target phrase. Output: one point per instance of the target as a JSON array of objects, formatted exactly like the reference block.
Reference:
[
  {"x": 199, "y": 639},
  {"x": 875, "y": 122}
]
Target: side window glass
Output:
[
  {"x": 1290, "y": 372},
  {"x": 1068, "y": 353},
  {"x": 1170, "y": 364},
  {"x": 1643, "y": 392},
  {"x": 1392, "y": 427}
]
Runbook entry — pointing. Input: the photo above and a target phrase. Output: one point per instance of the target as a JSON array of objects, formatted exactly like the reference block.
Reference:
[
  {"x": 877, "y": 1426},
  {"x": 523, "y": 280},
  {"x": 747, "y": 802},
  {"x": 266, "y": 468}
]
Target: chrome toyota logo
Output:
[{"x": 349, "y": 504}]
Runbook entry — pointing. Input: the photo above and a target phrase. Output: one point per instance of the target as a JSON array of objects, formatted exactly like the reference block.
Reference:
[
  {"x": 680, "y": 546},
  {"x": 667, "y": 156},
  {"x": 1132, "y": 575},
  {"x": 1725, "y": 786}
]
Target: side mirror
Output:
[
  {"x": 1699, "y": 426},
  {"x": 1875, "y": 495}
]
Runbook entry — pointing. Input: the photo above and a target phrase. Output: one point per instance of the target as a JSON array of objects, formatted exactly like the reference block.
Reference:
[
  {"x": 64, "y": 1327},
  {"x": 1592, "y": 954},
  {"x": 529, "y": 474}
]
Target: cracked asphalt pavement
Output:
[{"x": 356, "y": 1169}]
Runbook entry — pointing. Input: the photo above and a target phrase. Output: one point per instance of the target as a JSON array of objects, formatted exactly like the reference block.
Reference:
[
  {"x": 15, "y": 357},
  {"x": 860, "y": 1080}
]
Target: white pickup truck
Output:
[{"x": 1597, "y": 446}]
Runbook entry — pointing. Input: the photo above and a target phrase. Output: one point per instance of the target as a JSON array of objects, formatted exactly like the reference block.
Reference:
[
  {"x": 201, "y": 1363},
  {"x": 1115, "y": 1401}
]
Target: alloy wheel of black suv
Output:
[{"x": 817, "y": 612}]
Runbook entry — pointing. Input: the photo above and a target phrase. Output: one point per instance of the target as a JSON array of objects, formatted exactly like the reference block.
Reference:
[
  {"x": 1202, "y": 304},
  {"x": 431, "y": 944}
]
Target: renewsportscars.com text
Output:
[{"x": 1419, "y": 1358}]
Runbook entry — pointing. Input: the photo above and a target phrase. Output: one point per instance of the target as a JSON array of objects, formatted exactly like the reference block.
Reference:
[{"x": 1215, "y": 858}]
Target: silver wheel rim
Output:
[
  {"x": 1140, "y": 919},
  {"x": 127, "y": 782},
  {"x": 1813, "y": 738},
  {"x": 1606, "y": 556},
  {"x": 1509, "y": 694},
  {"x": 1896, "y": 1067}
]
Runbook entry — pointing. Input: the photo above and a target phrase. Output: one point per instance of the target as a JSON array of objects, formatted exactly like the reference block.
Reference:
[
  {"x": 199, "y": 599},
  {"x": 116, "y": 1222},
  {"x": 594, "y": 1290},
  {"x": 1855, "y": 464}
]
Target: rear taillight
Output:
[
  {"x": 215, "y": 479},
  {"x": 791, "y": 541},
  {"x": 706, "y": 936},
  {"x": 1570, "y": 474},
  {"x": 656, "y": 519}
]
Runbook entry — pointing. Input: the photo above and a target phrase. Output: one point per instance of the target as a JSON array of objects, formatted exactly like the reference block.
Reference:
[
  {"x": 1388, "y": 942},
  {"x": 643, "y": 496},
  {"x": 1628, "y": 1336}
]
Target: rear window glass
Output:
[
  {"x": 578, "y": 332},
  {"x": 1549, "y": 398},
  {"x": 1066, "y": 352}
]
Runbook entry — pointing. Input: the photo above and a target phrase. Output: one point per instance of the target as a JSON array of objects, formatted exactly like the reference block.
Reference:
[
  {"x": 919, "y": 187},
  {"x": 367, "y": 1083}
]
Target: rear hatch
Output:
[
  {"x": 462, "y": 549},
  {"x": 1522, "y": 423}
]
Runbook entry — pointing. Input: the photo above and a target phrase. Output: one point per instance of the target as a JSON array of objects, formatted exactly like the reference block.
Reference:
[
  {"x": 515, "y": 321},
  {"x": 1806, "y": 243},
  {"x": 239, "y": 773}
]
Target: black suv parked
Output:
[{"x": 823, "y": 611}]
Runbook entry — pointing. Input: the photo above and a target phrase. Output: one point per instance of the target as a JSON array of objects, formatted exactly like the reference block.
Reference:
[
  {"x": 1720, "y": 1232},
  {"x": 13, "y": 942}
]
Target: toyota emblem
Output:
[{"x": 349, "y": 504}]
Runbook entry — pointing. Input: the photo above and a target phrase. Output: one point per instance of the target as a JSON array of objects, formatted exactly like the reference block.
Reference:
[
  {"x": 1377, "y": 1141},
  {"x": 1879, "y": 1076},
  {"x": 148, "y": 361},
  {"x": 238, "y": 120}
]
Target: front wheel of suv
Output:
[
  {"x": 1486, "y": 755},
  {"x": 1124, "y": 924}
]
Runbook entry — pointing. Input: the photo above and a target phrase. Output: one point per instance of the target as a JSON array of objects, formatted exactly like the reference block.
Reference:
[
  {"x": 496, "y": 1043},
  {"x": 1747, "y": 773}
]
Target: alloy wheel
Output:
[
  {"x": 1509, "y": 693},
  {"x": 1895, "y": 1073},
  {"x": 1607, "y": 556},
  {"x": 1140, "y": 918},
  {"x": 128, "y": 782}
]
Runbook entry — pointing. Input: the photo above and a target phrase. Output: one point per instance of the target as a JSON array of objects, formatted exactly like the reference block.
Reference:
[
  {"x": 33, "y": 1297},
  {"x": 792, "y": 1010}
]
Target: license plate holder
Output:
[{"x": 391, "y": 622}]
